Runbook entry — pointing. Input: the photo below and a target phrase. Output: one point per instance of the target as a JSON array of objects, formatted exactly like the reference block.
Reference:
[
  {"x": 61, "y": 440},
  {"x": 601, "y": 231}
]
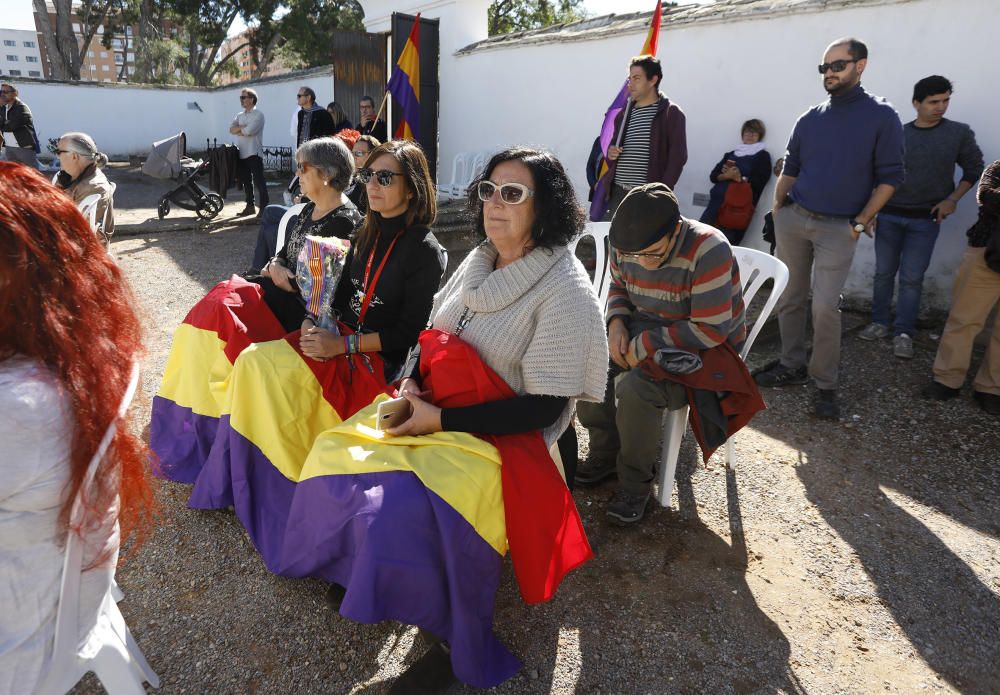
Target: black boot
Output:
[{"x": 430, "y": 674}]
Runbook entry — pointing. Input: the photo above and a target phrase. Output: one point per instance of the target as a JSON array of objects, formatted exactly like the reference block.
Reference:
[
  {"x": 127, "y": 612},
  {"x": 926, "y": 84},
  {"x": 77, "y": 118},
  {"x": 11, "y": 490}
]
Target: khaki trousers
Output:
[
  {"x": 818, "y": 252},
  {"x": 977, "y": 290}
]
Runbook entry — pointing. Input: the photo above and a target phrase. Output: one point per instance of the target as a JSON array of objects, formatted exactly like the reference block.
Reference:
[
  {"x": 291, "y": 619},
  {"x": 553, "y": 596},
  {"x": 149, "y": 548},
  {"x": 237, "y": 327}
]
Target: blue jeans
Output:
[
  {"x": 267, "y": 237},
  {"x": 902, "y": 244}
]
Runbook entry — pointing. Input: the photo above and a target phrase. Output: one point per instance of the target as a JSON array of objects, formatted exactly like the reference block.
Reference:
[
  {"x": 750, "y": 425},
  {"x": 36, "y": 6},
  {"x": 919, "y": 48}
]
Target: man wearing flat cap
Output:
[{"x": 674, "y": 287}]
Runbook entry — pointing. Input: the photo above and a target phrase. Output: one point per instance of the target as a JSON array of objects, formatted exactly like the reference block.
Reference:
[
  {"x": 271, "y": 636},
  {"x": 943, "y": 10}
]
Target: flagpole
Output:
[
  {"x": 621, "y": 131},
  {"x": 380, "y": 107}
]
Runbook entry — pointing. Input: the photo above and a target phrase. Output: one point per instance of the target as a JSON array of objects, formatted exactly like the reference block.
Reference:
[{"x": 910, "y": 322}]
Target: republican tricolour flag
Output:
[
  {"x": 404, "y": 86},
  {"x": 602, "y": 189}
]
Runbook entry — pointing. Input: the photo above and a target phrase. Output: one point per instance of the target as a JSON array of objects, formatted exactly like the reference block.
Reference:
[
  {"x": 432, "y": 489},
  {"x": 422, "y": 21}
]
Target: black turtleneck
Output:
[{"x": 401, "y": 303}]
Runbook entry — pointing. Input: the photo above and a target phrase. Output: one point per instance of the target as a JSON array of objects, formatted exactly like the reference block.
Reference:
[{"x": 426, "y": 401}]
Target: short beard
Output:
[{"x": 841, "y": 88}]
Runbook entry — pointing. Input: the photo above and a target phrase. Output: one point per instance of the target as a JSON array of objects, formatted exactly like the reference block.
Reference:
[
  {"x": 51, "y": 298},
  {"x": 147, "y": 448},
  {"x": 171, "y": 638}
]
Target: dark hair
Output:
[
  {"x": 251, "y": 93},
  {"x": 68, "y": 306},
  {"x": 422, "y": 208},
  {"x": 856, "y": 47},
  {"x": 368, "y": 99},
  {"x": 558, "y": 217},
  {"x": 310, "y": 93},
  {"x": 754, "y": 125},
  {"x": 650, "y": 65},
  {"x": 337, "y": 111},
  {"x": 935, "y": 84}
]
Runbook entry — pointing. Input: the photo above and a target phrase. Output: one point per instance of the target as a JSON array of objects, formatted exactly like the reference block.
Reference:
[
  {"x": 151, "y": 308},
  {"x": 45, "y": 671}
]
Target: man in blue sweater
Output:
[
  {"x": 909, "y": 223},
  {"x": 843, "y": 162}
]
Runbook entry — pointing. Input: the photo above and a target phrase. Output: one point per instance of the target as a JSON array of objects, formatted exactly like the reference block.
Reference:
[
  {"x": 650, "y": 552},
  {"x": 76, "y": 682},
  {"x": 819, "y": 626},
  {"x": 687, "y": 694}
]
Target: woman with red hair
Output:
[{"x": 68, "y": 337}]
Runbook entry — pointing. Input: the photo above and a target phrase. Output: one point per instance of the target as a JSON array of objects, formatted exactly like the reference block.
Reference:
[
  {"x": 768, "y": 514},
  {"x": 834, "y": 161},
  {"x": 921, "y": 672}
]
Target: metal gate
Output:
[
  {"x": 358, "y": 69},
  {"x": 429, "y": 85}
]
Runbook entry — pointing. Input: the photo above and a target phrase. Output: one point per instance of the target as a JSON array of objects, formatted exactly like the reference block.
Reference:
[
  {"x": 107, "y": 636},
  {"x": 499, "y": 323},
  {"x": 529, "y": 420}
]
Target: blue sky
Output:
[{"x": 17, "y": 13}]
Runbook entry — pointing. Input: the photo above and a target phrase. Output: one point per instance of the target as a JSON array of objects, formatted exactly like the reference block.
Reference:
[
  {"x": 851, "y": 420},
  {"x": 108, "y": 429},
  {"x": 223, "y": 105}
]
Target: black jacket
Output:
[
  {"x": 17, "y": 119},
  {"x": 320, "y": 126}
]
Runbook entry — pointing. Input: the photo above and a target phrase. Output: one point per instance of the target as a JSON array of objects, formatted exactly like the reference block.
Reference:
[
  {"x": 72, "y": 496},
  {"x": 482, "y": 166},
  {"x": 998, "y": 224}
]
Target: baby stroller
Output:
[{"x": 167, "y": 160}]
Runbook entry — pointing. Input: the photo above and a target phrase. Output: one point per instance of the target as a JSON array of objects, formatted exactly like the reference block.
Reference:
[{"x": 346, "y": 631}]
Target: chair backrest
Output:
[
  {"x": 103, "y": 224},
  {"x": 756, "y": 268},
  {"x": 283, "y": 225},
  {"x": 67, "y": 617},
  {"x": 88, "y": 208},
  {"x": 602, "y": 265}
]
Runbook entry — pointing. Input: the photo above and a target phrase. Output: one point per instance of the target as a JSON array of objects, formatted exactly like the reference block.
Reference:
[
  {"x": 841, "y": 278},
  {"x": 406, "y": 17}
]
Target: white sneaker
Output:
[{"x": 902, "y": 346}]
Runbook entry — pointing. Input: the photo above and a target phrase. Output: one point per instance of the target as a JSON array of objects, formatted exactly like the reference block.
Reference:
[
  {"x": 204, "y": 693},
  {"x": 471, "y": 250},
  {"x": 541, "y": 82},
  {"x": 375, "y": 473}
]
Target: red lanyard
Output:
[{"x": 369, "y": 290}]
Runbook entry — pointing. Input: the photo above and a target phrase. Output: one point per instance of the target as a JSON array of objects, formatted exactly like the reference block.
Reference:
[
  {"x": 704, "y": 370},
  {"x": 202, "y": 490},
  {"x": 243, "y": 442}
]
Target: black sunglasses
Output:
[
  {"x": 242, "y": 98},
  {"x": 64, "y": 152},
  {"x": 836, "y": 65},
  {"x": 383, "y": 176}
]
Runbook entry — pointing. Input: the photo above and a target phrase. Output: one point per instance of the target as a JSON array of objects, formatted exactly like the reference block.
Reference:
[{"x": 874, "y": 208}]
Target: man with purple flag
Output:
[{"x": 649, "y": 136}]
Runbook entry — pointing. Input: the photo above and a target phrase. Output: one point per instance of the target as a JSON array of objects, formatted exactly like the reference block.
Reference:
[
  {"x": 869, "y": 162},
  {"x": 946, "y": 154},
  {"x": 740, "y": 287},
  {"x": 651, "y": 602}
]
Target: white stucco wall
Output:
[
  {"x": 126, "y": 120},
  {"x": 554, "y": 95}
]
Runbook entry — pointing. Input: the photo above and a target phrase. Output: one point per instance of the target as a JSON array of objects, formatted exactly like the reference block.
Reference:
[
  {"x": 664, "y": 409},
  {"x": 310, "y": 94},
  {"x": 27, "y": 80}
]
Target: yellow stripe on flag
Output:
[
  {"x": 409, "y": 62},
  {"x": 460, "y": 468},
  {"x": 197, "y": 372},
  {"x": 278, "y": 405}
]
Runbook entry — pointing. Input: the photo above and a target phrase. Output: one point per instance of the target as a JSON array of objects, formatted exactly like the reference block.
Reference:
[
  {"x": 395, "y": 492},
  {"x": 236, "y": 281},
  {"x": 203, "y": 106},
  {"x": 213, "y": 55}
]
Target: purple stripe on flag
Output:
[
  {"x": 181, "y": 440},
  {"x": 608, "y": 128},
  {"x": 400, "y": 550},
  {"x": 402, "y": 91}
]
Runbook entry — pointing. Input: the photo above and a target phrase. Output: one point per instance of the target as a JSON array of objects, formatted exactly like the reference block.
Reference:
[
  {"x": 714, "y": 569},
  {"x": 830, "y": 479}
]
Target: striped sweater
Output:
[{"x": 692, "y": 301}]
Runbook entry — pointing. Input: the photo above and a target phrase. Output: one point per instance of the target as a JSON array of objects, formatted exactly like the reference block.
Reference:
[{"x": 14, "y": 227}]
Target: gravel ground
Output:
[{"x": 839, "y": 557}]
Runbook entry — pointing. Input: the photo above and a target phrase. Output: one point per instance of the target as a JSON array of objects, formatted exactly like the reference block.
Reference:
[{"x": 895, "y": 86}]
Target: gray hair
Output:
[
  {"x": 331, "y": 158},
  {"x": 84, "y": 145}
]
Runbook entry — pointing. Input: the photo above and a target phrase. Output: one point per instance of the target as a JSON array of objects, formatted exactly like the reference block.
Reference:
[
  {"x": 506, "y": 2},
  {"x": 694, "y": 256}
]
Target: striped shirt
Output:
[
  {"x": 693, "y": 301},
  {"x": 632, "y": 167}
]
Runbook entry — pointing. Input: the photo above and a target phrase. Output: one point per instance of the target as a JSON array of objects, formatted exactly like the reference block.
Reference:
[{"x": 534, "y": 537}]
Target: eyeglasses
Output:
[
  {"x": 359, "y": 153},
  {"x": 6, "y": 91},
  {"x": 64, "y": 152},
  {"x": 510, "y": 193},
  {"x": 383, "y": 176},
  {"x": 245, "y": 97},
  {"x": 836, "y": 66},
  {"x": 299, "y": 96},
  {"x": 638, "y": 255},
  {"x": 301, "y": 167}
]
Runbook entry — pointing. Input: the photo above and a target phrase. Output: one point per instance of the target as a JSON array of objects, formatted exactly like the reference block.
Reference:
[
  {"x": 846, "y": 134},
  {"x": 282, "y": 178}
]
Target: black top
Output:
[
  {"x": 320, "y": 125},
  {"x": 339, "y": 222},
  {"x": 759, "y": 170},
  {"x": 376, "y": 129},
  {"x": 343, "y": 125},
  {"x": 358, "y": 195},
  {"x": 525, "y": 413},
  {"x": 404, "y": 294}
]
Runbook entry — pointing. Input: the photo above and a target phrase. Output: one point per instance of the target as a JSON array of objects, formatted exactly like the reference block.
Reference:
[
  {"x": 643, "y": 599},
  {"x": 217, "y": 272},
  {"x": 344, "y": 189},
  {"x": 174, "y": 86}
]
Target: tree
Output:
[
  {"x": 506, "y": 16},
  {"x": 305, "y": 31},
  {"x": 65, "y": 53}
]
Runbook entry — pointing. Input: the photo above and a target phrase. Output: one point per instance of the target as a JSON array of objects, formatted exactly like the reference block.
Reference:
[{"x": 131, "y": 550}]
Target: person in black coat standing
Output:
[{"x": 17, "y": 126}]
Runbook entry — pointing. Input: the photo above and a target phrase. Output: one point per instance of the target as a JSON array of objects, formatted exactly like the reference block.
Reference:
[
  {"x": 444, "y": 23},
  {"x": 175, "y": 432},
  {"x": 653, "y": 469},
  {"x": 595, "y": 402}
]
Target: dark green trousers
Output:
[{"x": 630, "y": 431}]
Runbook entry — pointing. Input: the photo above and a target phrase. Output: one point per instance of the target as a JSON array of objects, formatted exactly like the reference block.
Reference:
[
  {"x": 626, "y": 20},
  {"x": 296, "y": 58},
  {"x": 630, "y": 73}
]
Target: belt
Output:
[{"x": 818, "y": 216}]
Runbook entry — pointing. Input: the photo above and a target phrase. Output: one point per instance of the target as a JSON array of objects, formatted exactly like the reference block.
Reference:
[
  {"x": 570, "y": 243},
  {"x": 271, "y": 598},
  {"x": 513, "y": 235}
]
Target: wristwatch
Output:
[{"x": 858, "y": 227}]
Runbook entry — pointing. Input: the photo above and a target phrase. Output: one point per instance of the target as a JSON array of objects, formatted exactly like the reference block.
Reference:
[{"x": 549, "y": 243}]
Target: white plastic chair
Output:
[
  {"x": 458, "y": 171},
  {"x": 602, "y": 266},
  {"x": 99, "y": 227},
  {"x": 109, "y": 650},
  {"x": 756, "y": 267},
  {"x": 283, "y": 225},
  {"x": 88, "y": 208}
]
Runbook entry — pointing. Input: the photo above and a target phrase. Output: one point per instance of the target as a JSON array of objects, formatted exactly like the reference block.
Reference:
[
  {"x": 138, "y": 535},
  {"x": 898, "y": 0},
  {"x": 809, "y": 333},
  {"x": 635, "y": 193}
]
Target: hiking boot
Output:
[
  {"x": 902, "y": 346},
  {"x": 989, "y": 402},
  {"x": 594, "y": 470},
  {"x": 247, "y": 211},
  {"x": 825, "y": 404},
  {"x": 937, "y": 391},
  {"x": 335, "y": 596},
  {"x": 626, "y": 509},
  {"x": 431, "y": 673},
  {"x": 874, "y": 331},
  {"x": 780, "y": 375}
]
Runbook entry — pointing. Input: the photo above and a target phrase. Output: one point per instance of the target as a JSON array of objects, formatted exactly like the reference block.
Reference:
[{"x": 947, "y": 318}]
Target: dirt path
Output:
[{"x": 853, "y": 557}]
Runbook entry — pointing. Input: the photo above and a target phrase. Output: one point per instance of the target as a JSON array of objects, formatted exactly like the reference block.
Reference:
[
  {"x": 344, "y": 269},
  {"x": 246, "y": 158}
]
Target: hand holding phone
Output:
[{"x": 392, "y": 413}]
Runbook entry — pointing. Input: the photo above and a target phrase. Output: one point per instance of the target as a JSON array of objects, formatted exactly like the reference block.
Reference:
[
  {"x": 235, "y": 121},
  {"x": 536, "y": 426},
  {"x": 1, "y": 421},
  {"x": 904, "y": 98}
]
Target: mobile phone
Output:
[
  {"x": 730, "y": 162},
  {"x": 391, "y": 413}
]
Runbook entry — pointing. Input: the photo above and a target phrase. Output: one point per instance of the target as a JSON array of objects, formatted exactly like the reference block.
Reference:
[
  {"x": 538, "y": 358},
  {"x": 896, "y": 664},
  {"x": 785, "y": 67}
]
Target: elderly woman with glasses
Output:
[
  {"x": 412, "y": 523},
  {"x": 80, "y": 175}
]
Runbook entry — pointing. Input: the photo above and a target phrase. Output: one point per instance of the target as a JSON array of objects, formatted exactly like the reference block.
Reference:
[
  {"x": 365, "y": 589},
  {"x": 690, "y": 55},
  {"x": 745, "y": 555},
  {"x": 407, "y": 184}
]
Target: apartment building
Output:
[
  {"x": 245, "y": 61},
  {"x": 19, "y": 54}
]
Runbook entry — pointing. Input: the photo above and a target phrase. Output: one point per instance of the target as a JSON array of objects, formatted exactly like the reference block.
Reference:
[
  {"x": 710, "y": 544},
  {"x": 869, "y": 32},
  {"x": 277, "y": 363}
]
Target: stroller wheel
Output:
[
  {"x": 163, "y": 209},
  {"x": 216, "y": 202}
]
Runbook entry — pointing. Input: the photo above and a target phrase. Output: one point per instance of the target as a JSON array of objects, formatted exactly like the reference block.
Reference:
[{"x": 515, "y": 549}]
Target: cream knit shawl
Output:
[{"x": 537, "y": 324}]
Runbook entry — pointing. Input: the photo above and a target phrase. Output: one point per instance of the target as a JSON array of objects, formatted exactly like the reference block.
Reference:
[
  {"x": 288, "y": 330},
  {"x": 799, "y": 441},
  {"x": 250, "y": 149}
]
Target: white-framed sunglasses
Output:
[{"x": 510, "y": 193}]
